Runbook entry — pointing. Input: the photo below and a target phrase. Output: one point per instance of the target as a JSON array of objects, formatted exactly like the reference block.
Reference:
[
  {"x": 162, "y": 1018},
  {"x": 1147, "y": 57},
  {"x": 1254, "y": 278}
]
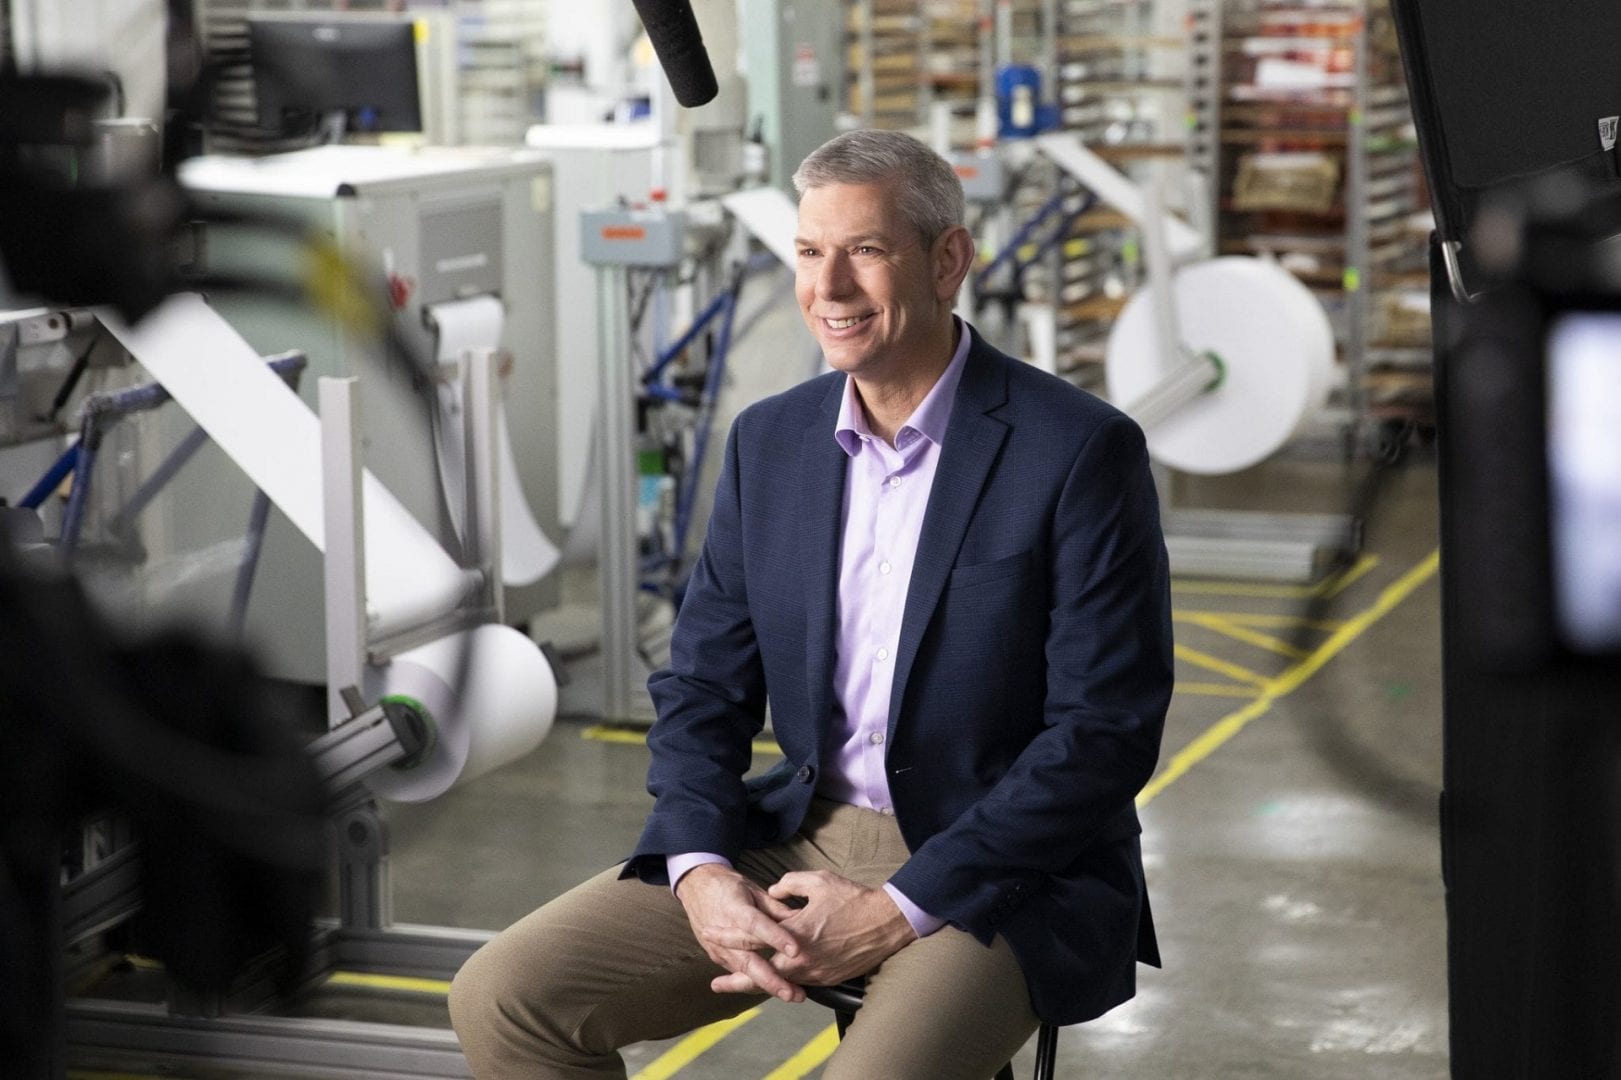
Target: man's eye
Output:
[{"x": 866, "y": 250}]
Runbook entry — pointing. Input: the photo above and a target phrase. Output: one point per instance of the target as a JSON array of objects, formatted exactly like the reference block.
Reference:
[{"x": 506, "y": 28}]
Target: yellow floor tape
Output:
[
  {"x": 811, "y": 1056},
  {"x": 686, "y": 1051},
  {"x": 1228, "y": 726}
]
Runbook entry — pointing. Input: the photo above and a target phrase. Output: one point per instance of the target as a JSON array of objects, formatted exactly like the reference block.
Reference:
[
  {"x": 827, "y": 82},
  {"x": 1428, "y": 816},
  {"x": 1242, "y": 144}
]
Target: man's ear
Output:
[{"x": 953, "y": 256}]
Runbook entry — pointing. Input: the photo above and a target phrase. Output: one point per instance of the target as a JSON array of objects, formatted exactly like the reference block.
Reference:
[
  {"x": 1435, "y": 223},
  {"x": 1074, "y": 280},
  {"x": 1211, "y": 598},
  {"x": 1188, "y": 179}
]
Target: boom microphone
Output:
[{"x": 673, "y": 30}]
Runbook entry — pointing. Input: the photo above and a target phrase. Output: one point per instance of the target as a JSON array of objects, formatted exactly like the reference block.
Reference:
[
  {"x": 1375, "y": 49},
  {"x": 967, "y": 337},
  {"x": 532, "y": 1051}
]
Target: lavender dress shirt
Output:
[{"x": 886, "y": 492}]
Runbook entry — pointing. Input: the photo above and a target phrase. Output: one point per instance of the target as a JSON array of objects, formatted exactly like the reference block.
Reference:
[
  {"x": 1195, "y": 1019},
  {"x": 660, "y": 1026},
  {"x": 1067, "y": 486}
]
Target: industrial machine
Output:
[
  {"x": 396, "y": 604},
  {"x": 794, "y": 56},
  {"x": 462, "y": 241}
]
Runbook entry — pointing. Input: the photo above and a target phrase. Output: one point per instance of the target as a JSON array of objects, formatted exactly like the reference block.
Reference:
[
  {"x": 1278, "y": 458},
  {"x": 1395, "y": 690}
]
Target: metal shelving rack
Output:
[
  {"x": 1119, "y": 78},
  {"x": 503, "y": 69},
  {"x": 1318, "y": 167},
  {"x": 885, "y": 61}
]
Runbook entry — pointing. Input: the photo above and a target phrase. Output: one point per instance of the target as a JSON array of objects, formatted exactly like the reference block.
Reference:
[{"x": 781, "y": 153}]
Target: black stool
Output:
[{"x": 845, "y": 999}]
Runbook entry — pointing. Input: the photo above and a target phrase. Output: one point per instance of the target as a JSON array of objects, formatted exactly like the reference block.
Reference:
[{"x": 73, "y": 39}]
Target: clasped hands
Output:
[{"x": 766, "y": 944}]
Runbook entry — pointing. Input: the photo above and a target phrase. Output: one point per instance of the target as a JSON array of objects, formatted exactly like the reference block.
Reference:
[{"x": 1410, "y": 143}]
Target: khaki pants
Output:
[{"x": 615, "y": 962}]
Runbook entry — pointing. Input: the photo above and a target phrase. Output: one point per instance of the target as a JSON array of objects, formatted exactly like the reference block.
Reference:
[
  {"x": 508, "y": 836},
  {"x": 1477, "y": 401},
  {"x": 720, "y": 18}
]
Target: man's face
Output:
[{"x": 865, "y": 280}]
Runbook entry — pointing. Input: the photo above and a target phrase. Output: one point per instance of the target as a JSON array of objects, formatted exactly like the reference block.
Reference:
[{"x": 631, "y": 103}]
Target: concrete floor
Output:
[
  {"x": 1291, "y": 841},
  {"x": 1293, "y": 865}
]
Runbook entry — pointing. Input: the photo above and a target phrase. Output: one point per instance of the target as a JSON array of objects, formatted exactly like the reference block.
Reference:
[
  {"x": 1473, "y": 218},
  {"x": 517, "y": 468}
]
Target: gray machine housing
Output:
[{"x": 443, "y": 225}]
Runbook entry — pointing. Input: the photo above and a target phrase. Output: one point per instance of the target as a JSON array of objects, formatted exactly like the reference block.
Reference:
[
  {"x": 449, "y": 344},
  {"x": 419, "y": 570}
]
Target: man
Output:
[{"x": 943, "y": 569}]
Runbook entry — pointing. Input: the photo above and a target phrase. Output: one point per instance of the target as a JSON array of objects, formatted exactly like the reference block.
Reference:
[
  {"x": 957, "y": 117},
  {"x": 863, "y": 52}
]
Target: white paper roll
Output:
[
  {"x": 771, "y": 216},
  {"x": 1271, "y": 334},
  {"x": 268, "y": 430},
  {"x": 506, "y": 708},
  {"x": 527, "y": 554}
]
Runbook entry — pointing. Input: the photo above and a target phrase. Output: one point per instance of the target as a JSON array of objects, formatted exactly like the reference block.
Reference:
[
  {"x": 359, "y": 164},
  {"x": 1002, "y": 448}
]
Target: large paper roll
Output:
[
  {"x": 527, "y": 555},
  {"x": 1274, "y": 340},
  {"x": 268, "y": 430},
  {"x": 506, "y": 708}
]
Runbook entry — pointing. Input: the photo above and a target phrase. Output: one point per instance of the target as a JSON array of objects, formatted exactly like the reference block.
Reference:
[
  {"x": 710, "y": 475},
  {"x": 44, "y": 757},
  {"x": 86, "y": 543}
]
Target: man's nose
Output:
[{"x": 834, "y": 280}]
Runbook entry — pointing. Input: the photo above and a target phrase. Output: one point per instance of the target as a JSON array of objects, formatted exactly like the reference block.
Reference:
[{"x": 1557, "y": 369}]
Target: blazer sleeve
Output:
[
  {"x": 1109, "y": 672},
  {"x": 710, "y": 700}
]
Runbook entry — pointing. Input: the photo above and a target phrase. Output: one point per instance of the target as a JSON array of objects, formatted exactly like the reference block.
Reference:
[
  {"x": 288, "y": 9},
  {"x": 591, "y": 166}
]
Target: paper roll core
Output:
[
  {"x": 505, "y": 708},
  {"x": 424, "y": 727}
]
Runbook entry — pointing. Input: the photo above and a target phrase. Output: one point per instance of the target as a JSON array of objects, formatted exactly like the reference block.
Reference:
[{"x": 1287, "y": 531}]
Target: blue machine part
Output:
[{"x": 1019, "y": 111}]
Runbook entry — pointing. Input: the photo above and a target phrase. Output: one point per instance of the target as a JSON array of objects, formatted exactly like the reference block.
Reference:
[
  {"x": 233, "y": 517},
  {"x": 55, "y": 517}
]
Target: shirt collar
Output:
[{"x": 930, "y": 417}]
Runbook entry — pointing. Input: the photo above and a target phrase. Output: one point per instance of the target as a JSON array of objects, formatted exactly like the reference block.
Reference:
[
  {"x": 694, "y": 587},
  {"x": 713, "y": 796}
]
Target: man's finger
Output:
[
  {"x": 732, "y": 937},
  {"x": 796, "y": 883},
  {"x": 732, "y": 983},
  {"x": 754, "y": 973},
  {"x": 765, "y": 932},
  {"x": 775, "y": 908}
]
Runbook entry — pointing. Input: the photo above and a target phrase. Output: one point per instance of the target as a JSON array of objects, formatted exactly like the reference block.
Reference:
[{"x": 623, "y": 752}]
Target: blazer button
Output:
[{"x": 805, "y": 774}]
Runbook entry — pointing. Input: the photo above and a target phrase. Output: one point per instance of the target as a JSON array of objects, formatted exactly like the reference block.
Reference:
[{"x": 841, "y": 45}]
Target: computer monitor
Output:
[{"x": 337, "y": 73}]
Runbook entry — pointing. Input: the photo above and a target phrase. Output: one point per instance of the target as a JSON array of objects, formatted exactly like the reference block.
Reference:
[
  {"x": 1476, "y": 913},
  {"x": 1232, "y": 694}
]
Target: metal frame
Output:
[
  {"x": 101, "y": 412},
  {"x": 618, "y": 570},
  {"x": 1357, "y": 254},
  {"x": 268, "y": 1045},
  {"x": 218, "y": 1030}
]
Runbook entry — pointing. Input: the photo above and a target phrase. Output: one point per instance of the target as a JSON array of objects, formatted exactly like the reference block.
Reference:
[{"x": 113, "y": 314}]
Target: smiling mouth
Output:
[{"x": 845, "y": 324}]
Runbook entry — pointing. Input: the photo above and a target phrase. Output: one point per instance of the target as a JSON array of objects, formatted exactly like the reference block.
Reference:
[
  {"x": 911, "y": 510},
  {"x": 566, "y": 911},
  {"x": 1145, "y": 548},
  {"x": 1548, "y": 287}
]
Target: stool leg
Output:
[
  {"x": 1046, "y": 1052},
  {"x": 1005, "y": 1072}
]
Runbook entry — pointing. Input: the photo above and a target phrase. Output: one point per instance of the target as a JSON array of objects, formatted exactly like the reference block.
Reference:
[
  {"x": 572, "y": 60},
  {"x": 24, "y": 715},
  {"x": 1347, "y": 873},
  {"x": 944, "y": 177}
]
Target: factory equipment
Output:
[
  {"x": 461, "y": 239},
  {"x": 612, "y": 241},
  {"x": 590, "y": 166},
  {"x": 1221, "y": 361},
  {"x": 793, "y": 55},
  {"x": 659, "y": 391},
  {"x": 176, "y": 731},
  {"x": 421, "y": 675}
]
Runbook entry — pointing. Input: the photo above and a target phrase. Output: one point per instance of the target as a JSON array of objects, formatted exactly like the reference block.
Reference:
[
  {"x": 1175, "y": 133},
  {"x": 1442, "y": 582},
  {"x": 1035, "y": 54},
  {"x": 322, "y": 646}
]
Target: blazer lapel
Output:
[
  {"x": 971, "y": 445},
  {"x": 822, "y": 470}
]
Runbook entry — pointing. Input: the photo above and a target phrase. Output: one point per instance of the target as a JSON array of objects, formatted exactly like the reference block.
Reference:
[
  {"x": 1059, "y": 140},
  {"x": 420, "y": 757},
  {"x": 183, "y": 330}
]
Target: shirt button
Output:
[
  {"x": 894, "y": 481},
  {"x": 876, "y": 737},
  {"x": 884, "y": 567},
  {"x": 887, "y": 811},
  {"x": 882, "y": 653}
]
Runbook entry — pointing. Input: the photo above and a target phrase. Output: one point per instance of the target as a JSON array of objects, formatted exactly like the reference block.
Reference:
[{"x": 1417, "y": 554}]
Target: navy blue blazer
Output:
[{"x": 1031, "y": 682}]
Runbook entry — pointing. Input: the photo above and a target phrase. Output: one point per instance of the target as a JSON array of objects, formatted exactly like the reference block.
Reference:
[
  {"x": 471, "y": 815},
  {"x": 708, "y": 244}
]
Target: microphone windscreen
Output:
[{"x": 673, "y": 30}]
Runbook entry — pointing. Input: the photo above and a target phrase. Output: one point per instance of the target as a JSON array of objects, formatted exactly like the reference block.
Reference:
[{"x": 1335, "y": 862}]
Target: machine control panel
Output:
[{"x": 629, "y": 237}]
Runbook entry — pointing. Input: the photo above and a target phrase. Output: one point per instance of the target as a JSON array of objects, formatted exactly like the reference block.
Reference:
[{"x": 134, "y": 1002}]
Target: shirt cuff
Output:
[
  {"x": 923, "y": 924},
  {"x": 677, "y": 865}
]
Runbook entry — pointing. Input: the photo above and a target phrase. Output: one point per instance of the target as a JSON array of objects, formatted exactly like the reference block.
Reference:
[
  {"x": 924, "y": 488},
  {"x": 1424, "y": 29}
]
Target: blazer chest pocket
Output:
[{"x": 966, "y": 577}]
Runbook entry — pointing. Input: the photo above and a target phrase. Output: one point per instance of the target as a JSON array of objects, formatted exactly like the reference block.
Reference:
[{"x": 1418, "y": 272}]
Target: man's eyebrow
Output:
[{"x": 864, "y": 238}]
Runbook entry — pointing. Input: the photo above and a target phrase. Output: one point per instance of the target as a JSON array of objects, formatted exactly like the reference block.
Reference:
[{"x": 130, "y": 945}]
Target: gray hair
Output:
[{"x": 926, "y": 189}]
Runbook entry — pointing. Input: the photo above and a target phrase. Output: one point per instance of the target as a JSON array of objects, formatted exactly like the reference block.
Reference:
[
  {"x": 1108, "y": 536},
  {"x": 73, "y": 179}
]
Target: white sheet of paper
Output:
[
  {"x": 527, "y": 554},
  {"x": 770, "y": 215},
  {"x": 268, "y": 430}
]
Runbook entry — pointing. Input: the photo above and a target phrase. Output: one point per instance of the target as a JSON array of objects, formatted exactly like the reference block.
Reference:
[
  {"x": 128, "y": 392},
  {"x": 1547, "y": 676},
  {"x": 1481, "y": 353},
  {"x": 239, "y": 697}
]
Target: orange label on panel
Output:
[{"x": 624, "y": 232}]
